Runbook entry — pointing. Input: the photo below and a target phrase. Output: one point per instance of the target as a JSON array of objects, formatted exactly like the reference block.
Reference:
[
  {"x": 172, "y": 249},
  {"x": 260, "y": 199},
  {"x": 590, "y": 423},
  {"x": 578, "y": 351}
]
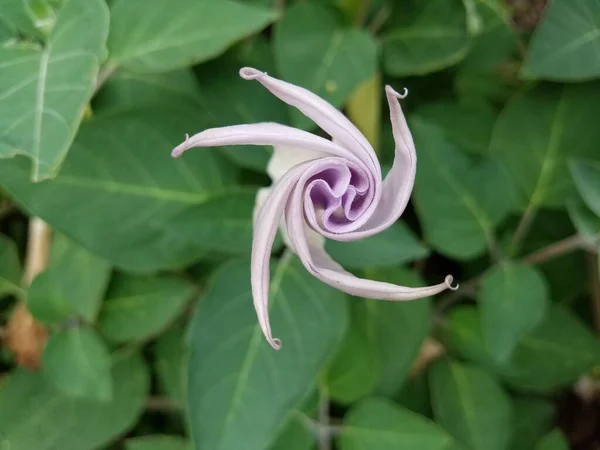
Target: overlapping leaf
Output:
[
  {"x": 240, "y": 390},
  {"x": 121, "y": 195},
  {"x": 35, "y": 415},
  {"x": 323, "y": 56},
  {"x": 43, "y": 91}
]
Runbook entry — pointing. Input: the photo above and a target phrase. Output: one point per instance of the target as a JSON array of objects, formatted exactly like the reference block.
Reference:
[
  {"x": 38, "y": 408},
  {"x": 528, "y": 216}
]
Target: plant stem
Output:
[
  {"x": 38, "y": 249},
  {"x": 162, "y": 404},
  {"x": 523, "y": 227},
  {"x": 104, "y": 75},
  {"x": 324, "y": 435}
]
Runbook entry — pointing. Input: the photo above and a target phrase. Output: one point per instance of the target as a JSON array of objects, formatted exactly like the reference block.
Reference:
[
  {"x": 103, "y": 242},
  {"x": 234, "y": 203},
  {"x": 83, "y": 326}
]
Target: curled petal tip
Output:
[
  {"x": 396, "y": 94},
  {"x": 250, "y": 73},
  {"x": 178, "y": 151},
  {"x": 449, "y": 280},
  {"x": 275, "y": 343}
]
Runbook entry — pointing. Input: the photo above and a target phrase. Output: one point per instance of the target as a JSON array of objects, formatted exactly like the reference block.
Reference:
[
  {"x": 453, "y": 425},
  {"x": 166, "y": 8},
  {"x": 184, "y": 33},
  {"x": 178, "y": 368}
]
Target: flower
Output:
[{"x": 338, "y": 193}]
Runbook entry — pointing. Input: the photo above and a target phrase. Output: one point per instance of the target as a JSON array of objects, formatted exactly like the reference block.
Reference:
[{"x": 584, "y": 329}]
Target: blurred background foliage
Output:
[{"x": 127, "y": 319}]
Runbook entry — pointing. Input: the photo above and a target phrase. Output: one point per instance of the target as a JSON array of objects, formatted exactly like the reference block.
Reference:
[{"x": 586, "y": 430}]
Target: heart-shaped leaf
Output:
[
  {"x": 240, "y": 390},
  {"x": 42, "y": 97}
]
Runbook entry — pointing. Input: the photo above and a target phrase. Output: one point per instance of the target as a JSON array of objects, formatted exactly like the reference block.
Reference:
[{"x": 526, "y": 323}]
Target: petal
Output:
[
  {"x": 321, "y": 265},
  {"x": 262, "y": 134},
  {"x": 319, "y": 111}
]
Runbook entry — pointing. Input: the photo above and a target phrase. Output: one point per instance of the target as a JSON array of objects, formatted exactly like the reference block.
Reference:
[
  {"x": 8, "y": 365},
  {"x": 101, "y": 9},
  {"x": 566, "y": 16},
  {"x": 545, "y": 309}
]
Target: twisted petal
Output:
[{"x": 336, "y": 190}]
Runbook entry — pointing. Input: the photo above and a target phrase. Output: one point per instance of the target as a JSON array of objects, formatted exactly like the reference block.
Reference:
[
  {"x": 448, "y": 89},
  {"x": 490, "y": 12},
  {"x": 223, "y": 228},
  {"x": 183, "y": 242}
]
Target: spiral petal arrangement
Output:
[{"x": 340, "y": 194}]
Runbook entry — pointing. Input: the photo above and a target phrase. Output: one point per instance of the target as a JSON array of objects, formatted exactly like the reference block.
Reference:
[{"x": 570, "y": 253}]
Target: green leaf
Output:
[
  {"x": 586, "y": 175},
  {"x": 35, "y": 415},
  {"x": 171, "y": 364},
  {"x": 170, "y": 37},
  {"x": 130, "y": 202},
  {"x": 467, "y": 126},
  {"x": 138, "y": 307},
  {"x": 73, "y": 285},
  {"x": 400, "y": 329},
  {"x": 354, "y": 370},
  {"x": 513, "y": 300},
  {"x": 459, "y": 201},
  {"x": 471, "y": 405},
  {"x": 296, "y": 435},
  {"x": 566, "y": 44},
  {"x": 538, "y": 130},
  {"x": 415, "y": 395},
  {"x": 555, "y": 440},
  {"x": 560, "y": 337},
  {"x": 228, "y": 99},
  {"x": 496, "y": 42},
  {"x": 380, "y": 424},
  {"x": 585, "y": 221},
  {"x": 131, "y": 89},
  {"x": 42, "y": 96},
  {"x": 14, "y": 13},
  {"x": 77, "y": 362},
  {"x": 240, "y": 390},
  {"x": 315, "y": 50},
  {"x": 10, "y": 268},
  {"x": 157, "y": 442},
  {"x": 531, "y": 419},
  {"x": 423, "y": 37},
  {"x": 394, "y": 246}
]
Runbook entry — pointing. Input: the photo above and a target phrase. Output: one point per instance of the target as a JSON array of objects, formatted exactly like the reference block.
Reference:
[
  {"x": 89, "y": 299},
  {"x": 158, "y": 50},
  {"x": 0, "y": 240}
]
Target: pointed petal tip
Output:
[
  {"x": 390, "y": 91},
  {"x": 275, "y": 343},
  {"x": 250, "y": 73},
  {"x": 178, "y": 151},
  {"x": 449, "y": 280}
]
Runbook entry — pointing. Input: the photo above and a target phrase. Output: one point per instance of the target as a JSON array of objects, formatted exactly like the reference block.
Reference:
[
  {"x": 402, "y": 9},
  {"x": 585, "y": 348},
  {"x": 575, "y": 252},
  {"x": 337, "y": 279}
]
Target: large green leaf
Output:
[
  {"x": 10, "y": 268},
  {"x": 15, "y": 14},
  {"x": 513, "y": 300},
  {"x": 158, "y": 36},
  {"x": 471, "y": 405},
  {"x": 459, "y": 201},
  {"x": 533, "y": 366},
  {"x": 380, "y": 424},
  {"x": 538, "y": 130},
  {"x": 566, "y": 44},
  {"x": 240, "y": 390},
  {"x": 72, "y": 286},
  {"x": 157, "y": 442},
  {"x": 396, "y": 245},
  {"x": 43, "y": 91},
  {"x": 586, "y": 175},
  {"x": 78, "y": 363},
  {"x": 121, "y": 195},
  {"x": 35, "y": 415},
  {"x": 315, "y": 50},
  {"x": 531, "y": 419},
  {"x": 138, "y": 307},
  {"x": 423, "y": 37}
]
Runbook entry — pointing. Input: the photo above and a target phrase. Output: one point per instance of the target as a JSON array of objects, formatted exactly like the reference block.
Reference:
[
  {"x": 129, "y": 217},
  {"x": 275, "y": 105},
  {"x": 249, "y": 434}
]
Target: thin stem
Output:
[
  {"x": 523, "y": 227},
  {"x": 363, "y": 11},
  {"x": 104, "y": 75},
  {"x": 324, "y": 421},
  {"x": 380, "y": 18},
  {"x": 162, "y": 404},
  {"x": 38, "y": 249}
]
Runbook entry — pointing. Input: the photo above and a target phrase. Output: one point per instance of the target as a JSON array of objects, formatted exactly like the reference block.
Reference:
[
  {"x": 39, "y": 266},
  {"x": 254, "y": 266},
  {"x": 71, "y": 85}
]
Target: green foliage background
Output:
[{"x": 153, "y": 342}]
